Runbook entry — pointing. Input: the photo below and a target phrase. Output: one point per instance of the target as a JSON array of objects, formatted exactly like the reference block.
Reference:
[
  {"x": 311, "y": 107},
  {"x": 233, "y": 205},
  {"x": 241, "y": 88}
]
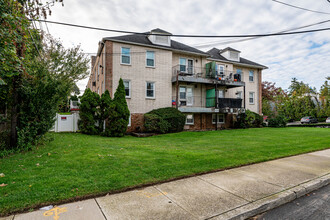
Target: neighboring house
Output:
[{"x": 210, "y": 88}]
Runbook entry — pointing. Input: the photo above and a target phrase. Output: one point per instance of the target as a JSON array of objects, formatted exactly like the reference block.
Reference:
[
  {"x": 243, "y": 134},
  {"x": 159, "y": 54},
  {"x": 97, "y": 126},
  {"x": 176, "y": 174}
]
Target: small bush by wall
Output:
[
  {"x": 155, "y": 124},
  {"x": 249, "y": 119},
  {"x": 174, "y": 117}
]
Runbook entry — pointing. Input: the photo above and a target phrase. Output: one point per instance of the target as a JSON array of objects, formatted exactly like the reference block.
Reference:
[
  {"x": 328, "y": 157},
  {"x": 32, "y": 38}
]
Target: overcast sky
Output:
[{"x": 304, "y": 56}]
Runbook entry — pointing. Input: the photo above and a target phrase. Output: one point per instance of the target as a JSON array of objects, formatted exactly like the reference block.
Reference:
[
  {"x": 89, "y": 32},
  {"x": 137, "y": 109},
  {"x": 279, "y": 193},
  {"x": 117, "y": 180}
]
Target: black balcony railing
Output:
[
  {"x": 229, "y": 103},
  {"x": 198, "y": 72}
]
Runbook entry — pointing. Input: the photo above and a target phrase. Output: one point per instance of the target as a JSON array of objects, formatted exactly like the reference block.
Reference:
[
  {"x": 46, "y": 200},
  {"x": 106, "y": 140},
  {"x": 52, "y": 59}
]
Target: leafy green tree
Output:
[
  {"x": 104, "y": 112},
  {"x": 89, "y": 103},
  {"x": 117, "y": 122},
  {"x": 16, "y": 42}
]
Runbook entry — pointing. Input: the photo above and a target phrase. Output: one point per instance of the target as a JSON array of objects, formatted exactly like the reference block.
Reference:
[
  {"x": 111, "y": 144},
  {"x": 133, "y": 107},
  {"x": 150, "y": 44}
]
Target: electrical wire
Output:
[
  {"x": 208, "y": 44},
  {"x": 319, "y": 12},
  {"x": 188, "y": 36}
]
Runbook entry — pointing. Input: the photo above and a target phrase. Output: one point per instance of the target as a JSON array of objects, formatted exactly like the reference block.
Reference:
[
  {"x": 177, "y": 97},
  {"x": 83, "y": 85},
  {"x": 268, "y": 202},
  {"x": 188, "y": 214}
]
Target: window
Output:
[
  {"x": 221, "y": 70},
  {"x": 251, "y": 97},
  {"x": 238, "y": 75},
  {"x": 129, "y": 121},
  {"x": 190, "y": 119},
  {"x": 221, "y": 93},
  {"x": 127, "y": 85},
  {"x": 150, "y": 91},
  {"x": 221, "y": 118},
  {"x": 125, "y": 55},
  {"x": 183, "y": 65},
  {"x": 251, "y": 76},
  {"x": 239, "y": 94},
  {"x": 150, "y": 56},
  {"x": 186, "y": 95}
]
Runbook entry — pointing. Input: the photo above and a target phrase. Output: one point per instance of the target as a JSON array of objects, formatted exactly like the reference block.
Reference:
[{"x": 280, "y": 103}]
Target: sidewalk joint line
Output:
[
  {"x": 159, "y": 190},
  {"x": 100, "y": 209},
  {"x": 223, "y": 189}
]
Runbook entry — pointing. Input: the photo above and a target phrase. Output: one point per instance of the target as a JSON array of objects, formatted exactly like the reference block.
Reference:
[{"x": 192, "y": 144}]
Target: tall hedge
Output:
[
  {"x": 106, "y": 108},
  {"x": 249, "y": 119},
  {"x": 89, "y": 103},
  {"x": 117, "y": 122},
  {"x": 174, "y": 118}
]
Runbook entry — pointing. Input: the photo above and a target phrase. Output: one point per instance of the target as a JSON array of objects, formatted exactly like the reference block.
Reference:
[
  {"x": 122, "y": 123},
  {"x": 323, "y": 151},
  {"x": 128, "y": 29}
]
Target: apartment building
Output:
[{"x": 211, "y": 88}]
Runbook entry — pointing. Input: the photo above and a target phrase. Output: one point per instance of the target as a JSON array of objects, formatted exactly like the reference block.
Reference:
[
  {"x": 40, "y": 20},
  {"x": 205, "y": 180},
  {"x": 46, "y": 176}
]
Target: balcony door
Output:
[
  {"x": 190, "y": 97},
  {"x": 186, "y": 96},
  {"x": 190, "y": 67}
]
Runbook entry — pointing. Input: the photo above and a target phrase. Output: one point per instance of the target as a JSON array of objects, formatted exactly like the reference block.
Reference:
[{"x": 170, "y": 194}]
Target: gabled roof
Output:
[
  {"x": 161, "y": 31},
  {"x": 142, "y": 39},
  {"x": 215, "y": 54},
  {"x": 231, "y": 49}
]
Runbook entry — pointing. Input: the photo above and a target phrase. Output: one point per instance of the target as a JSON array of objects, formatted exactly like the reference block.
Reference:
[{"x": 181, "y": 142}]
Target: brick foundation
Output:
[
  {"x": 203, "y": 122},
  {"x": 137, "y": 122}
]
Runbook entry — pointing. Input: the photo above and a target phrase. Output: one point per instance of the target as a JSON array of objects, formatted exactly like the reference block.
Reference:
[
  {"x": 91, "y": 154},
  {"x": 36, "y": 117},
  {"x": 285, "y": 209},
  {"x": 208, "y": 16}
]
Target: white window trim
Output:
[
  {"x": 190, "y": 123},
  {"x": 147, "y": 59},
  {"x": 252, "y": 103},
  {"x": 154, "y": 97},
  {"x": 224, "y": 119},
  {"x": 129, "y": 121},
  {"x": 129, "y": 87},
  {"x": 121, "y": 56},
  {"x": 252, "y": 75}
]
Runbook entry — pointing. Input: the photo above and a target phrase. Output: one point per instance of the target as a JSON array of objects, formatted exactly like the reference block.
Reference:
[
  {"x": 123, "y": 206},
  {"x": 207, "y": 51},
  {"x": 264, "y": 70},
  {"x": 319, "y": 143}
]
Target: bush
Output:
[
  {"x": 117, "y": 122},
  {"x": 88, "y": 108},
  {"x": 249, "y": 119},
  {"x": 278, "y": 121},
  {"x": 155, "y": 124},
  {"x": 175, "y": 119}
]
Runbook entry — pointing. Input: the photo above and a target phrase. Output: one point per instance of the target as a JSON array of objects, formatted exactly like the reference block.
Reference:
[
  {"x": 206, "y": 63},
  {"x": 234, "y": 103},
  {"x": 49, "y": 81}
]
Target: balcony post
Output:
[
  {"x": 177, "y": 90},
  {"x": 216, "y": 105}
]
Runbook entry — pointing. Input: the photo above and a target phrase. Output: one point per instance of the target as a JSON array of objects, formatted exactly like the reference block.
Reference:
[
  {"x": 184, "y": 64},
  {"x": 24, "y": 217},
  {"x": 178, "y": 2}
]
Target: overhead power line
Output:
[
  {"x": 182, "y": 35},
  {"x": 305, "y": 9},
  {"x": 207, "y": 44}
]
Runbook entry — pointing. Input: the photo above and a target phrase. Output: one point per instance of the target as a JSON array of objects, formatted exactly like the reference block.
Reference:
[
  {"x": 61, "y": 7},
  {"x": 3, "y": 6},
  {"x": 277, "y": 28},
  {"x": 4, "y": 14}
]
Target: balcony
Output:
[
  {"x": 198, "y": 104},
  {"x": 184, "y": 73}
]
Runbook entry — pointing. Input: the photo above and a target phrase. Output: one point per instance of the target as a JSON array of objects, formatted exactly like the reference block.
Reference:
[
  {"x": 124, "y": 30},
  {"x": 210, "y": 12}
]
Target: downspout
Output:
[{"x": 216, "y": 105}]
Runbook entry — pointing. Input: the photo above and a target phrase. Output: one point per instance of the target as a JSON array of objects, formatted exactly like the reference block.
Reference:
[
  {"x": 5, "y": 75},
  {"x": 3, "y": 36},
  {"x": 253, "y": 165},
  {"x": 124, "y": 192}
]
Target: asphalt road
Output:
[{"x": 313, "y": 206}]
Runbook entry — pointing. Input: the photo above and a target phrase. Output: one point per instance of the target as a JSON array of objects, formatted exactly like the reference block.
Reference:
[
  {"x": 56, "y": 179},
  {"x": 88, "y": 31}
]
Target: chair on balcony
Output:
[{"x": 229, "y": 78}]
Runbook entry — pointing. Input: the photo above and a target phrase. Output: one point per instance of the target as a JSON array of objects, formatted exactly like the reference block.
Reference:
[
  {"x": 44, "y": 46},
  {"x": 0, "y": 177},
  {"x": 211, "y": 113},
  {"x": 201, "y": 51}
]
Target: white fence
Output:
[{"x": 66, "y": 123}]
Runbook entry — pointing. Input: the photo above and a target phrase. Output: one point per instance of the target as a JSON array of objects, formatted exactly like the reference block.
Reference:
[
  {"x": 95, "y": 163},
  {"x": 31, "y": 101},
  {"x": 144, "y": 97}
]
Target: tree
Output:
[
  {"x": 119, "y": 116},
  {"x": 67, "y": 65},
  {"x": 271, "y": 96},
  {"x": 89, "y": 103},
  {"x": 15, "y": 42},
  {"x": 104, "y": 112}
]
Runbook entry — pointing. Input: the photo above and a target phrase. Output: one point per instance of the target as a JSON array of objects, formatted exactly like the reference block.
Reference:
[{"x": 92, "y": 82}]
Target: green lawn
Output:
[{"x": 76, "y": 165}]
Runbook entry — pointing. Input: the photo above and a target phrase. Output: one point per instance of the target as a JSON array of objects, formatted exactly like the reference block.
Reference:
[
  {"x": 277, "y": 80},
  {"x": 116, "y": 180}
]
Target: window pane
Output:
[
  {"x": 150, "y": 93},
  {"x": 183, "y": 61},
  {"x": 125, "y": 51},
  {"x": 150, "y": 62},
  {"x": 150, "y": 55},
  {"x": 125, "y": 59}
]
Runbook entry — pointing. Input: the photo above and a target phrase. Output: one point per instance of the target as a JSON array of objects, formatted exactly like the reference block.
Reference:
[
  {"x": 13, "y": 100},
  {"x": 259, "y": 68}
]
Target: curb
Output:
[{"x": 273, "y": 201}]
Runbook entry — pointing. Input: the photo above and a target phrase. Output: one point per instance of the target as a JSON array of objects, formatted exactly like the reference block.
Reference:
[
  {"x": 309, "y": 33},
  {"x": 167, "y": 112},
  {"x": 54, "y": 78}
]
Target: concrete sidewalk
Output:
[{"x": 232, "y": 194}]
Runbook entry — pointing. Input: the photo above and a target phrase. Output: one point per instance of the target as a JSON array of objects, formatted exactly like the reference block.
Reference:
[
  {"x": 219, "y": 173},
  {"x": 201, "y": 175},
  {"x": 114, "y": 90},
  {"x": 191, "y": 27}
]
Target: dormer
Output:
[
  {"x": 164, "y": 37},
  {"x": 230, "y": 54}
]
